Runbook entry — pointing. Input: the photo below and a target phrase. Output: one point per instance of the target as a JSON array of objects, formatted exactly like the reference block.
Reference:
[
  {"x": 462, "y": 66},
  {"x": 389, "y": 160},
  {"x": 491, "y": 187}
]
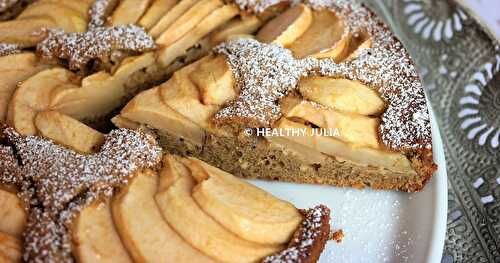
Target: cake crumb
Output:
[{"x": 337, "y": 236}]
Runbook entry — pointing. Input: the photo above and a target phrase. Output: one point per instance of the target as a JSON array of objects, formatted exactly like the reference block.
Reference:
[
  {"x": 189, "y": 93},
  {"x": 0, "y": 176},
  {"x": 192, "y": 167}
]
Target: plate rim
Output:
[{"x": 440, "y": 193}]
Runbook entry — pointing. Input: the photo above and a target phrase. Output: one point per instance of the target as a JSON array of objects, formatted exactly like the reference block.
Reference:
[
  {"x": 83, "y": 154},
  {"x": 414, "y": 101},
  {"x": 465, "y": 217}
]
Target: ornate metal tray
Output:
[{"x": 460, "y": 65}]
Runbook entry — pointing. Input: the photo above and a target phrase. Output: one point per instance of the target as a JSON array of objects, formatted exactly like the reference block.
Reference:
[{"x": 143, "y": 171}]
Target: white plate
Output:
[{"x": 380, "y": 226}]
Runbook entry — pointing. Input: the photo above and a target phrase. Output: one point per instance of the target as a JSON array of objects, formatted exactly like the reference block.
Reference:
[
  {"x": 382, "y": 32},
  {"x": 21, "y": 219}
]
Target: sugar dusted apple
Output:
[
  {"x": 287, "y": 27},
  {"x": 342, "y": 94}
]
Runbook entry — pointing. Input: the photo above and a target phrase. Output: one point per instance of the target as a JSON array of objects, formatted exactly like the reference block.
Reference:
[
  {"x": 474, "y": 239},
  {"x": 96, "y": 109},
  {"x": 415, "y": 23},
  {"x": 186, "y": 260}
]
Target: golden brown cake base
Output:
[{"x": 256, "y": 158}]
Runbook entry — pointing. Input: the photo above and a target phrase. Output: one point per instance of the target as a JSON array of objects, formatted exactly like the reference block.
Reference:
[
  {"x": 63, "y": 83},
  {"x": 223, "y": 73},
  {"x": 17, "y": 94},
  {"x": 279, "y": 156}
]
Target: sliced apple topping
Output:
[
  {"x": 12, "y": 215},
  {"x": 244, "y": 25},
  {"x": 82, "y": 6},
  {"x": 129, "y": 12},
  {"x": 188, "y": 21},
  {"x": 148, "y": 108},
  {"x": 287, "y": 27},
  {"x": 68, "y": 132},
  {"x": 122, "y": 122},
  {"x": 342, "y": 94},
  {"x": 333, "y": 147},
  {"x": 95, "y": 238},
  {"x": 146, "y": 235},
  {"x": 182, "y": 212},
  {"x": 34, "y": 95},
  {"x": 10, "y": 248},
  {"x": 26, "y": 29},
  {"x": 183, "y": 96},
  {"x": 15, "y": 69},
  {"x": 23, "y": 32},
  {"x": 215, "y": 81},
  {"x": 166, "y": 21},
  {"x": 155, "y": 12},
  {"x": 216, "y": 18},
  {"x": 359, "y": 42},
  {"x": 306, "y": 155},
  {"x": 356, "y": 129},
  {"x": 99, "y": 93},
  {"x": 246, "y": 210},
  {"x": 326, "y": 37},
  {"x": 64, "y": 16}
]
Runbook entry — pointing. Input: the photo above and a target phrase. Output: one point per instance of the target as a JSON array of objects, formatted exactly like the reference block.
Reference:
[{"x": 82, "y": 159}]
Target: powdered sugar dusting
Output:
[
  {"x": 257, "y": 6},
  {"x": 81, "y": 48},
  {"x": 9, "y": 49},
  {"x": 264, "y": 74},
  {"x": 311, "y": 230},
  {"x": 57, "y": 182},
  {"x": 99, "y": 12},
  {"x": 386, "y": 67}
]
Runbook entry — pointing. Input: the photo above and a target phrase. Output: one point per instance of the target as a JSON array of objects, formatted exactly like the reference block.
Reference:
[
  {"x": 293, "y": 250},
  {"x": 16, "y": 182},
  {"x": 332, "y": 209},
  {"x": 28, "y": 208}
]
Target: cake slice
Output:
[
  {"x": 121, "y": 203},
  {"x": 350, "y": 111}
]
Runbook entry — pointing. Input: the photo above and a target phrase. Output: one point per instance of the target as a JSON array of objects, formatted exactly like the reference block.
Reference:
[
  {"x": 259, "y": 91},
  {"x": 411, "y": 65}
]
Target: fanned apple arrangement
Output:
[{"x": 202, "y": 77}]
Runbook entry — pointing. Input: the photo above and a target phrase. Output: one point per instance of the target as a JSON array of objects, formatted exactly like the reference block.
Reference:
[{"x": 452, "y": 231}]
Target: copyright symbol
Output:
[{"x": 248, "y": 132}]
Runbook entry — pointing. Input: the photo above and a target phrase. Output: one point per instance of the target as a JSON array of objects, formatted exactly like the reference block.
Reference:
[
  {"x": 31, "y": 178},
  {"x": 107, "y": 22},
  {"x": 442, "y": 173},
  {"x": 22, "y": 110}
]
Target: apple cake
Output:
[
  {"x": 303, "y": 91},
  {"x": 322, "y": 93},
  {"x": 125, "y": 202}
]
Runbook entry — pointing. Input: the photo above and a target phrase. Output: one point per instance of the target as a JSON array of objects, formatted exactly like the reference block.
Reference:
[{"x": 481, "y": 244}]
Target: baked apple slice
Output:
[
  {"x": 326, "y": 37},
  {"x": 82, "y": 6},
  {"x": 147, "y": 108},
  {"x": 155, "y": 12},
  {"x": 95, "y": 238},
  {"x": 244, "y": 25},
  {"x": 287, "y": 27},
  {"x": 129, "y": 12},
  {"x": 171, "y": 16},
  {"x": 12, "y": 215},
  {"x": 64, "y": 16},
  {"x": 146, "y": 235},
  {"x": 68, "y": 132},
  {"x": 183, "y": 96},
  {"x": 23, "y": 32},
  {"x": 215, "y": 81},
  {"x": 10, "y": 248},
  {"x": 34, "y": 95},
  {"x": 15, "y": 69},
  {"x": 359, "y": 43},
  {"x": 188, "y": 21},
  {"x": 352, "y": 128},
  {"x": 122, "y": 122},
  {"x": 218, "y": 17},
  {"x": 363, "y": 155},
  {"x": 249, "y": 212},
  {"x": 342, "y": 94},
  {"x": 101, "y": 92},
  {"x": 198, "y": 228}
]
